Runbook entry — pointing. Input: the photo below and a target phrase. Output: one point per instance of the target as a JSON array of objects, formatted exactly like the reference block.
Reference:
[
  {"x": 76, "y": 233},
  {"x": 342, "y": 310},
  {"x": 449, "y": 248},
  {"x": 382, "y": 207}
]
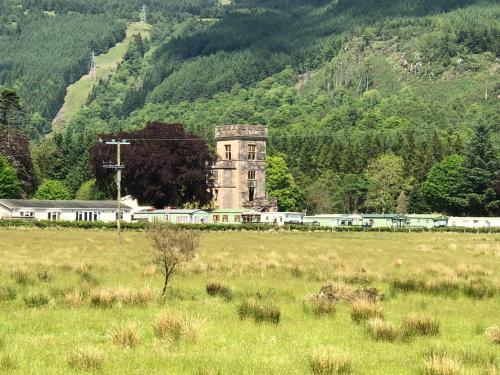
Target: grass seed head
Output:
[{"x": 327, "y": 360}]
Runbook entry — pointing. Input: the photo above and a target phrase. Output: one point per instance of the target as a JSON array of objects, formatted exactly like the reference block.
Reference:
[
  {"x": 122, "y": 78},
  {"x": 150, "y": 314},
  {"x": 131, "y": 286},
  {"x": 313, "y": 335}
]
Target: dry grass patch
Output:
[
  {"x": 86, "y": 359},
  {"x": 73, "y": 298},
  {"x": 104, "y": 298},
  {"x": 480, "y": 288},
  {"x": 363, "y": 309},
  {"x": 172, "y": 326},
  {"x": 327, "y": 360},
  {"x": 320, "y": 306},
  {"x": 36, "y": 299},
  {"x": 140, "y": 297},
  {"x": 493, "y": 333},
  {"x": 381, "y": 330},
  {"x": 126, "y": 335},
  {"x": 149, "y": 270},
  {"x": 443, "y": 364},
  {"x": 420, "y": 325}
]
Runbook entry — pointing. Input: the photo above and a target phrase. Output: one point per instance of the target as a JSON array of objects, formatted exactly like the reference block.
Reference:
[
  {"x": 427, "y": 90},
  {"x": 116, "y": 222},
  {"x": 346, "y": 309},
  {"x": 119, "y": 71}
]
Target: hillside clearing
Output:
[{"x": 78, "y": 92}]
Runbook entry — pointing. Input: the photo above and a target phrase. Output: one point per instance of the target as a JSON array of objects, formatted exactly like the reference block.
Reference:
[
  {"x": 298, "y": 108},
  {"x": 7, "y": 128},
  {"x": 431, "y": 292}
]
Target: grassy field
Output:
[
  {"x": 72, "y": 301},
  {"x": 78, "y": 92}
]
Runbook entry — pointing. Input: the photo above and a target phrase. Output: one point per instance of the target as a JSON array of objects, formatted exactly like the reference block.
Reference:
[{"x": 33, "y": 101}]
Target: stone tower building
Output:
[{"x": 240, "y": 171}]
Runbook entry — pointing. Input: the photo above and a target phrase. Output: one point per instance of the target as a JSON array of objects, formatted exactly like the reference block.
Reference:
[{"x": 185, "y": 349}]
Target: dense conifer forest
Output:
[{"x": 363, "y": 98}]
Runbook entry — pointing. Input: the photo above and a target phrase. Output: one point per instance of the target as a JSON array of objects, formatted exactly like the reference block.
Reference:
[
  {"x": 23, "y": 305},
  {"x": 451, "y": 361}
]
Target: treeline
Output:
[{"x": 351, "y": 92}]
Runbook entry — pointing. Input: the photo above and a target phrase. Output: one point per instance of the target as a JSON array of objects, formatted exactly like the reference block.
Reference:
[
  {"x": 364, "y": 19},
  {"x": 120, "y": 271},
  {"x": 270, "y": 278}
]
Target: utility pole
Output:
[
  {"x": 93, "y": 66},
  {"x": 118, "y": 167},
  {"x": 143, "y": 14}
]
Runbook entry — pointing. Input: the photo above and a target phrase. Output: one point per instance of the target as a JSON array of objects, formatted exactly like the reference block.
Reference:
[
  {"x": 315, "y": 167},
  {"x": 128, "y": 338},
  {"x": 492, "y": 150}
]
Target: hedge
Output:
[{"x": 228, "y": 227}]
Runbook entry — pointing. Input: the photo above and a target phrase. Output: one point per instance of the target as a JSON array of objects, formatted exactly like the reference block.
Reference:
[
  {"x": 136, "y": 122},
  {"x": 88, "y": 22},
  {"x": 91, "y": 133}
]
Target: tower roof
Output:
[{"x": 245, "y": 132}]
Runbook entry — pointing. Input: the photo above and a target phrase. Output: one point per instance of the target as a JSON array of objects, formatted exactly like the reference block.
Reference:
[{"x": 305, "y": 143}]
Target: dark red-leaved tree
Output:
[{"x": 164, "y": 165}]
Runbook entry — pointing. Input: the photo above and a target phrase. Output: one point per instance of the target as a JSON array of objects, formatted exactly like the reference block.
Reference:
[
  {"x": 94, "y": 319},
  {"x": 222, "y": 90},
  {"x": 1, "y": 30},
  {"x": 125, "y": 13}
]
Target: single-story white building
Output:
[
  {"x": 473, "y": 222},
  {"x": 334, "y": 220},
  {"x": 281, "y": 218},
  {"x": 70, "y": 210}
]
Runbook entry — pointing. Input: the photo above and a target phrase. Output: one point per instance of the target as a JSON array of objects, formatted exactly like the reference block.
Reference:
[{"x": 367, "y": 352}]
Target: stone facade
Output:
[{"x": 240, "y": 172}]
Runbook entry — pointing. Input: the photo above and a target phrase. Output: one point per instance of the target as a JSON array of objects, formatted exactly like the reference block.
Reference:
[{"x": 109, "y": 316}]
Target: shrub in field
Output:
[
  {"x": 86, "y": 359},
  {"x": 36, "y": 299},
  {"x": 362, "y": 309},
  {"x": 45, "y": 275},
  {"x": 172, "y": 326},
  {"x": 493, "y": 333},
  {"x": 7, "y": 293},
  {"x": 261, "y": 312},
  {"x": 441, "y": 364},
  {"x": 102, "y": 298},
  {"x": 8, "y": 362},
  {"x": 381, "y": 330},
  {"x": 420, "y": 325},
  {"x": 126, "y": 335},
  {"x": 479, "y": 288},
  {"x": 218, "y": 289},
  {"x": 20, "y": 275},
  {"x": 327, "y": 360}
]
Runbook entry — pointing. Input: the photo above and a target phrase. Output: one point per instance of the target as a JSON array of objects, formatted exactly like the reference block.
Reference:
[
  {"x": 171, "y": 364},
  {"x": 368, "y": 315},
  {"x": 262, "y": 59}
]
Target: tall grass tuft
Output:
[
  {"x": 493, "y": 333},
  {"x": 173, "y": 327},
  {"x": 139, "y": 297},
  {"x": 126, "y": 335},
  {"x": 8, "y": 362},
  {"x": 104, "y": 298},
  {"x": 36, "y": 299},
  {"x": 327, "y": 360},
  {"x": 443, "y": 364},
  {"x": 216, "y": 288},
  {"x": 45, "y": 275},
  {"x": 73, "y": 298},
  {"x": 261, "y": 312},
  {"x": 381, "y": 330},
  {"x": 7, "y": 293},
  {"x": 479, "y": 288},
  {"x": 411, "y": 283},
  {"x": 320, "y": 306},
  {"x": 20, "y": 275},
  {"x": 420, "y": 325},
  {"x": 86, "y": 359},
  {"x": 448, "y": 285},
  {"x": 362, "y": 309}
]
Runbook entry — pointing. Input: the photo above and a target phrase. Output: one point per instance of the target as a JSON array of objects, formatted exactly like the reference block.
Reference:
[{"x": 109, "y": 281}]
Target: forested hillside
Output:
[{"x": 354, "y": 92}]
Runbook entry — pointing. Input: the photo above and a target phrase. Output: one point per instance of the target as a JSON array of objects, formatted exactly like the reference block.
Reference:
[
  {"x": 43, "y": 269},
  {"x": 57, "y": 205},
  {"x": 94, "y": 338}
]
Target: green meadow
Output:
[{"x": 73, "y": 301}]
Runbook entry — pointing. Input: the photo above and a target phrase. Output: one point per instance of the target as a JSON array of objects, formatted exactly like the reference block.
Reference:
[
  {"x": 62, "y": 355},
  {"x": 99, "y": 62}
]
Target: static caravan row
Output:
[
  {"x": 71, "y": 210},
  {"x": 474, "y": 222},
  {"x": 377, "y": 220}
]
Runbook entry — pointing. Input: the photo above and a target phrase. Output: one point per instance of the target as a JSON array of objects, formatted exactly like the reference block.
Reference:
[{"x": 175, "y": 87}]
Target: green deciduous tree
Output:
[
  {"x": 51, "y": 190},
  {"x": 385, "y": 182},
  {"x": 442, "y": 188},
  {"x": 89, "y": 191},
  {"x": 281, "y": 185},
  {"x": 10, "y": 187}
]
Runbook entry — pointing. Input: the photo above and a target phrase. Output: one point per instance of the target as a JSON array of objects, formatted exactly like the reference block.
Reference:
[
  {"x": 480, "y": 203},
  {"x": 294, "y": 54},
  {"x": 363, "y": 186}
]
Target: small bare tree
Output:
[{"x": 172, "y": 247}]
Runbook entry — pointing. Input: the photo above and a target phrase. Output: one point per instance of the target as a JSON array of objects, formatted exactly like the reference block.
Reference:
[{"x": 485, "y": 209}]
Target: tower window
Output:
[
  {"x": 251, "y": 194},
  {"x": 228, "y": 152},
  {"x": 251, "y": 175},
  {"x": 252, "y": 152}
]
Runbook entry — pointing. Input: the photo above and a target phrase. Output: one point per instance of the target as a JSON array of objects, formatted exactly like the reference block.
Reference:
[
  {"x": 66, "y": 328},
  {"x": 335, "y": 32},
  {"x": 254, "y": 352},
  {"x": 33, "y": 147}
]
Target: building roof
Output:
[
  {"x": 383, "y": 216},
  {"x": 173, "y": 211},
  {"x": 59, "y": 204},
  {"x": 229, "y": 210},
  {"x": 428, "y": 216}
]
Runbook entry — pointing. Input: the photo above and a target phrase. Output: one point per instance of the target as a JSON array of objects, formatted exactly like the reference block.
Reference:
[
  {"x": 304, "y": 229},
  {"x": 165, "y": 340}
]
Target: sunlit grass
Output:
[{"x": 72, "y": 300}]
